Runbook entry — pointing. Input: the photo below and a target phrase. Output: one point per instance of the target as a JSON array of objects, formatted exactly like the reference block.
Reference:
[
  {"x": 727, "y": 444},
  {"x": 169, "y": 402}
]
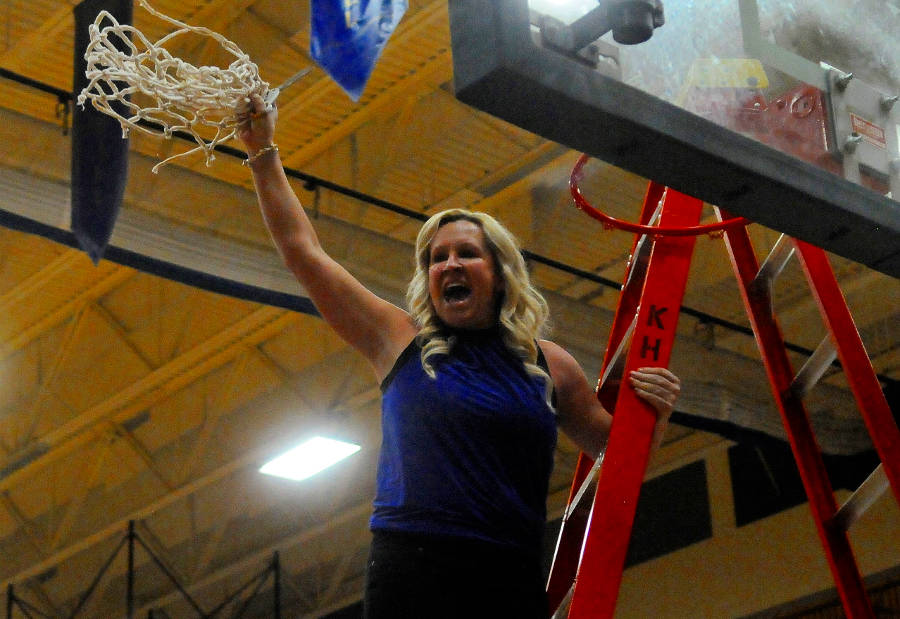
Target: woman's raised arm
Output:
[{"x": 372, "y": 325}]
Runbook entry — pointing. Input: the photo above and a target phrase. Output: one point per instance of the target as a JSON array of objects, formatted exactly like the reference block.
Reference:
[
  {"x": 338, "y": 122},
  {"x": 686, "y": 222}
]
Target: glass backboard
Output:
[{"x": 783, "y": 112}]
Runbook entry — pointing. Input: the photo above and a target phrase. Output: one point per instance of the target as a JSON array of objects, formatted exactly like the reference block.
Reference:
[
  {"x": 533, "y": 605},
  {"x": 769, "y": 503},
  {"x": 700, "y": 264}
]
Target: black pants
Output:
[{"x": 421, "y": 577}]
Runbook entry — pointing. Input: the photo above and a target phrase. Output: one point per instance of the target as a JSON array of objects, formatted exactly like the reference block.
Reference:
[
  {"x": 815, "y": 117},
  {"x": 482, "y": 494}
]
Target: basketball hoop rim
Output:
[{"x": 609, "y": 221}]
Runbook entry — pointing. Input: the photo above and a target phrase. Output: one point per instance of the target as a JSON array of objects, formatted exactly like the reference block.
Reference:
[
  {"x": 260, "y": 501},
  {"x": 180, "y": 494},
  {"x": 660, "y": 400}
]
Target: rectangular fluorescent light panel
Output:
[{"x": 309, "y": 458}]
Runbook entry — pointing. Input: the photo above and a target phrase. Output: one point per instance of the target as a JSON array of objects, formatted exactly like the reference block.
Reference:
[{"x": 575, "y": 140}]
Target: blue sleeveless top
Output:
[{"x": 469, "y": 453}]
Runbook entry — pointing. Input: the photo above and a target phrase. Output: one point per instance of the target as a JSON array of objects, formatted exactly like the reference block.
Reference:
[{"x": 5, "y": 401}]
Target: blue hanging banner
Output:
[
  {"x": 347, "y": 37},
  {"x": 99, "y": 153}
]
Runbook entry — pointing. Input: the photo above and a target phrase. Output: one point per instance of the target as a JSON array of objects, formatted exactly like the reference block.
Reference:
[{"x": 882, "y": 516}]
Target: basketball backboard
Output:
[{"x": 782, "y": 112}]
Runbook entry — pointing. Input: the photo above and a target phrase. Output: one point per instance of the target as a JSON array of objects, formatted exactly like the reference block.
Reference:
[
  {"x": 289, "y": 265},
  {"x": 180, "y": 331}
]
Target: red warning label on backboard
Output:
[{"x": 870, "y": 132}]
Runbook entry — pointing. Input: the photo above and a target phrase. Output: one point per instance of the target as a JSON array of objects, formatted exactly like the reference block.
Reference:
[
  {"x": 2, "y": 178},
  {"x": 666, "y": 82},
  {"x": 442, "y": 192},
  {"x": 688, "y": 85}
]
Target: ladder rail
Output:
[
  {"x": 630, "y": 298},
  {"x": 806, "y": 451},
  {"x": 571, "y": 536},
  {"x": 628, "y": 448},
  {"x": 567, "y": 555},
  {"x": 851, "y": 351}
]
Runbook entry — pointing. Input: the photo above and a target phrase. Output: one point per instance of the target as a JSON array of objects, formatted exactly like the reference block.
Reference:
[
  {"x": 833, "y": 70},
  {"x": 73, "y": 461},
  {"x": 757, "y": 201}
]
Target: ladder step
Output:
[
  {"x": 616, "y": 366},
  {"x": 640, "y": 258},
  {"x": 814, "y": 368},
  {"x": 613, "y": 372},
  {"x": 589, "y": 483},
  {"x": 563, "y": 610},
  {"x": 862, "y": 499},
  {"x": 773, "y": 265}
]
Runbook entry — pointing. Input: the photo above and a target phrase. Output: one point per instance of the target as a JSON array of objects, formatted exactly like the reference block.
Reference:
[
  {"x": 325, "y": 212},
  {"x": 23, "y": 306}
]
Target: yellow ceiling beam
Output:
[
  {"x": 382, "y": 165},
  {"x": 76, "y": 502},
  {"x": 119, "y": 526},
  {"x": 261, "y": 556},
  {"x": 120, "y": 332},
  {"x": 175, "y": 494},
  {"x": 159, "y": 549},
  {"x": 437, "y": 69},
  {"x": 37, "y": 541},
  {"x": 213, "y": 412},
  {"x": 283, "y": 374},
  {"x": 219, "y": 14},
  {"x": 249, "y": 459},
  {"x": 34, "y": 285},
  {"x": 437, "y": 66},
  {"x": 157, "y": 385},
  {"x": 73, "y": 332},
  {"x": 508, "y": 203},
  {"x": 216, "y": 16},
  {"x": 184, "y": 370},
  {"x": 34, "y": 292},
  {"x": 213, "y": 540},
  {"x": 119, "y": 432},
  {"x": 36, "y": 42}
]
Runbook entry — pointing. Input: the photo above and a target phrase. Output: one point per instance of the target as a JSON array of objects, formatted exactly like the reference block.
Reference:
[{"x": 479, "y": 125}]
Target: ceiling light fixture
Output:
[{"x": 309, "y": 458}]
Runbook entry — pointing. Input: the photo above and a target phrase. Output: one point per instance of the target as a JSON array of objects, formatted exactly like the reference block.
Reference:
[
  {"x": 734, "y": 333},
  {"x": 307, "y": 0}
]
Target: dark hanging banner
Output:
[{"x": 99, "y": 153}]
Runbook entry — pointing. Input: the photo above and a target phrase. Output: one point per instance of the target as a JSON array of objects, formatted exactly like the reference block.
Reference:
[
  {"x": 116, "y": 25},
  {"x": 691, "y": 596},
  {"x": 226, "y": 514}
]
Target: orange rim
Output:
[{"x": 609, "y": 221}]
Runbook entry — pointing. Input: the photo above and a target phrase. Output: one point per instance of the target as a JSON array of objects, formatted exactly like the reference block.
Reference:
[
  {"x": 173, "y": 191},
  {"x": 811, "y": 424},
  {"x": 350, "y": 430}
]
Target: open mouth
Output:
[{"x": 456, "y": 293}]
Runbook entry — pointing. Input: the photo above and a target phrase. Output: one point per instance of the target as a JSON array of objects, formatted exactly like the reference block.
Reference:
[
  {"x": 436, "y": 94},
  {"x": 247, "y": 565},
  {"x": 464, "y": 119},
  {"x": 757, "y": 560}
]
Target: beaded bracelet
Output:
[{"x": 271, "y": 148}]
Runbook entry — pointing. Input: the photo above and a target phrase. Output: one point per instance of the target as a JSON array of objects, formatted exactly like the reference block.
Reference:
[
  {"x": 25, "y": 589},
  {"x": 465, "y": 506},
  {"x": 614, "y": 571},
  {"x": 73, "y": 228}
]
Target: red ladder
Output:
[
  {"x": 647, "y": 314},
  {"x": 593, "y": 543}
]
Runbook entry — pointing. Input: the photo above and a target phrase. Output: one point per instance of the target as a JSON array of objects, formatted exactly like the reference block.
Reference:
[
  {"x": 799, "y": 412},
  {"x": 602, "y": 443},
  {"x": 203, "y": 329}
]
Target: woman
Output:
[{"x": 472, "y": 399}]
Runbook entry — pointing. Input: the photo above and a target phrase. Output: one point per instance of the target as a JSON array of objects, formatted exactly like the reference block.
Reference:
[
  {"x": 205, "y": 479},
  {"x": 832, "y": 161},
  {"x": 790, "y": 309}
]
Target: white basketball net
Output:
[{"x": 188, "y": 99}]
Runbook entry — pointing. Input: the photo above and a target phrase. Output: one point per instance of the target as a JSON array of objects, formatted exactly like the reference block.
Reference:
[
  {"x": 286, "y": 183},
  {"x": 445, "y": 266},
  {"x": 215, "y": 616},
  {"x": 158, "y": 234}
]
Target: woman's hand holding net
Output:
[{"x": 203, "y": 102}]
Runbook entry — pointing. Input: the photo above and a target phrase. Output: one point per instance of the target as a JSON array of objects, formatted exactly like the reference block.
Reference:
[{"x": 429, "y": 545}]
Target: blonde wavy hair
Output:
[{"x": 523, "y": 312}]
